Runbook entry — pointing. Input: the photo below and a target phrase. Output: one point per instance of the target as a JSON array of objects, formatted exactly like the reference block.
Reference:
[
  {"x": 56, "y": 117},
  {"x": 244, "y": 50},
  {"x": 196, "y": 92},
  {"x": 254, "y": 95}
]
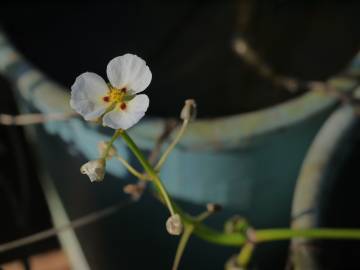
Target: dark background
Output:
[
  {"x": 22, "y": 204},
  {"x": 188, "y": 45}
]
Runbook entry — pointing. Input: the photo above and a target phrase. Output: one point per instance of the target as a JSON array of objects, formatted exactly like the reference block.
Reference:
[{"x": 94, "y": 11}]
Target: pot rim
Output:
[
  {"x": 219, "y": 133},
  {"x": 215, "y": 133}
]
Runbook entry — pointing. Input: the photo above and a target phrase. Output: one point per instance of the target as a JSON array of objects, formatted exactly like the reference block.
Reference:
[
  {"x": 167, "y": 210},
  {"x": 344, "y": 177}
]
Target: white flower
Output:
[
  {"x": 116, "y": 102},
  {"x": 95, "y": 169}
]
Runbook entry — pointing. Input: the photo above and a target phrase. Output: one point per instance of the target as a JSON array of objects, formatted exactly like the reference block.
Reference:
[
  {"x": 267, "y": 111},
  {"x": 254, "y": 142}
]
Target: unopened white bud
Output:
[
  {"x": 188, "y": 112},
  {"x": 213, "y": 207},
  {"x": 102, "y": 148},
  {"x": 95, "y": 169},
  {"x": 174, "y": 225}
]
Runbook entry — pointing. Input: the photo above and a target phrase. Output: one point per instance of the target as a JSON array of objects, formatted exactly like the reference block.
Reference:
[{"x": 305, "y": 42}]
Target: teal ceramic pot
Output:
[
  {"x": 327, "y": 192},
  {"x": 248, "y": 163}
]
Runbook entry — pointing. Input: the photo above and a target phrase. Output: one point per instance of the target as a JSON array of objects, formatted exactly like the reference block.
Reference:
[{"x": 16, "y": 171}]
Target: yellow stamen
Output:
[{"x": 116, "y": 95}]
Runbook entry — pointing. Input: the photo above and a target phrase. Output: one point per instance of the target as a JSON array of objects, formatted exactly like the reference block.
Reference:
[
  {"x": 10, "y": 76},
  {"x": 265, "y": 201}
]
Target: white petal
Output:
[
  {"x": 129, "y": 71},
  {"x": 125, "y": 119},
  {"x": 86, "y": 95}
]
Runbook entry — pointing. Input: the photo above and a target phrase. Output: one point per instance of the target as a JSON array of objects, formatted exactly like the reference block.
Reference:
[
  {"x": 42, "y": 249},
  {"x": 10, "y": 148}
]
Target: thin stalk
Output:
[
  {"x": 205, "y": 232},
  {"x": 217, "y": 237},
  {"x": 245, "y": 254},
  {"x": 109, "y": 144},
  {"x": 172, "y": 145},
  {"x": 182, "y": 245},
  {"x": 266, "y": 235},
  {"x": 149, "y": 170},
  {"x": 130, "y": 168},
  {"x": 235, "y": 239},
  {"x": 200, "y": 218},
  {"x": 33, "y": 118}
]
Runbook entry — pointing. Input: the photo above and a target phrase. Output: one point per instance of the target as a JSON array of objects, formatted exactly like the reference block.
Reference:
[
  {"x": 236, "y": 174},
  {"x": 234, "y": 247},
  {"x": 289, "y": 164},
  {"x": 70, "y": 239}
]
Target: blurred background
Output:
[{"x": 195, "y": 49}]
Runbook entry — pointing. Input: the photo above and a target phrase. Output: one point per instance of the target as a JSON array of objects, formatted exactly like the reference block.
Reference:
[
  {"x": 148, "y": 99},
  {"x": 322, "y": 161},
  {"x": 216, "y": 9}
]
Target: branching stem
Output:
[
  {"x": 172, "y": 145},
  {"x": 229, "y": 239}
]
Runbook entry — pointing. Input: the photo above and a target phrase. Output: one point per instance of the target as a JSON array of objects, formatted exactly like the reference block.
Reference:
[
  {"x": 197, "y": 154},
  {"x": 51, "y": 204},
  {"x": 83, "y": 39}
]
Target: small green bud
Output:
[
  {"x": 213, "y": 207},
  {"x": 236, "y": 224}
]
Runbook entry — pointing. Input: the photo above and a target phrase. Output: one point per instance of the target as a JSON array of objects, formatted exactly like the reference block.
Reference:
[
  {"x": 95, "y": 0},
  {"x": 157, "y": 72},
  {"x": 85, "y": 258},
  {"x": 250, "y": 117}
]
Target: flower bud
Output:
[
  {"x": 174, "y": 225},
  {"x": 213, "y": 207},
  {"x": 188, "y": 112},
  {"x": 102, "y": 148},
  {"x": 135, "y": 190},
  {"x": 236, "y": 224},
  {"x": 95, "y": 169}
]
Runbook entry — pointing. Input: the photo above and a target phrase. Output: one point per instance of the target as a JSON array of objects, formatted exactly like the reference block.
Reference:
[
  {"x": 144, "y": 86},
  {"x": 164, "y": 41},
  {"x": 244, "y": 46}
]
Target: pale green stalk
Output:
[
  {"x": 182, "y": 244},
  {"x": 266, "y": 235},
  {"x": 149, "y": 170},
  {"x": 245, "y": 254},
  {"x": 130, "y": 168},
  {"x": 172, "y": 145},
  {"x": 109, "y": 144},
  {"x": 231, "y": 239}
]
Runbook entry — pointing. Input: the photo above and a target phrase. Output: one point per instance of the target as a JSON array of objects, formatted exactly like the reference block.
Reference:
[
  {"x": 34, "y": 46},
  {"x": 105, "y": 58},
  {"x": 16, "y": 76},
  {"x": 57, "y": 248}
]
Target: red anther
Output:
[
  {"x": 106, "y": 99},
  {"x": 123, "y": 90},
  {"x": 123, "y": 106}
]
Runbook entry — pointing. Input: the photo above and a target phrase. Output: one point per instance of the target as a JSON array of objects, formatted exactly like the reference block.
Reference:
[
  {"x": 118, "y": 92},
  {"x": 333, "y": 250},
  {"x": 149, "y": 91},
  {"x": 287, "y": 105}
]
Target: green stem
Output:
[
  {"x": 172, "y": 145},
  {"x": 234, "y": 239},
  {"x": 245, "y": 255},
  {"x": 266, "y": 235},
  {"x": 200, "y": 218},
  {"x": 130, "y": 168},
  {"x": 109, "y": 144},
  {"x": 182, "y": 244},
  {"x": 149, "y": 170},
  {"x": 217, "y": 237},
  {"x": 319, "y": 233}
]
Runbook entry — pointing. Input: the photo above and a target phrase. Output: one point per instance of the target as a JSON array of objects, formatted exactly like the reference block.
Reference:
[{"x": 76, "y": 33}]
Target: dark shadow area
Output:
[
  {"x": 189, "y": 45},
  {"x": 22, "y": 205},
  {"x": 341, "y": 207}
]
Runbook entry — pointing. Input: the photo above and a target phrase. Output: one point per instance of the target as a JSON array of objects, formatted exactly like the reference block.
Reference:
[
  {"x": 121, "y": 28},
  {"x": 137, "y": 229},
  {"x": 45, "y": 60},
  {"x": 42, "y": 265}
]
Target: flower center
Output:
[{"x": 115, "y": 95}]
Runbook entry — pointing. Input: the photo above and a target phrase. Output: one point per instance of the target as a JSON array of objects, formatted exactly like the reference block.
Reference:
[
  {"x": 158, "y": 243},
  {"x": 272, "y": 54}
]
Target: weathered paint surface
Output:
[{"x": 315, "y": 177}]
